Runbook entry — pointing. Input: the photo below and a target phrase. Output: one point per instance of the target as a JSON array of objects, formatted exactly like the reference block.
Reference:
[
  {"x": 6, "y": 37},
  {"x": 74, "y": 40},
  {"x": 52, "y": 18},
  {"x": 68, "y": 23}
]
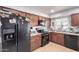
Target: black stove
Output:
[{"x": 45, "y": 37}]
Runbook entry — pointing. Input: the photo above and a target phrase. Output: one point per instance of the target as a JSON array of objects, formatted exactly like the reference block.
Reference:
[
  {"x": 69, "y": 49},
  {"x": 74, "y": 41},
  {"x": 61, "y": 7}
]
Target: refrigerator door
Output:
[
  {"x": 8, "y": 37},
  {"x": 0, "y": 37},
  {"x": 23, "y": 36}
]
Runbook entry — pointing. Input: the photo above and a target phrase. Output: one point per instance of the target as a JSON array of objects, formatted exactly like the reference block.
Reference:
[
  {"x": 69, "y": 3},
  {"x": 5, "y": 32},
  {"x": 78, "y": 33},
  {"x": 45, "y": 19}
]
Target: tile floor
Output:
[{"x": 53, "y": 47}]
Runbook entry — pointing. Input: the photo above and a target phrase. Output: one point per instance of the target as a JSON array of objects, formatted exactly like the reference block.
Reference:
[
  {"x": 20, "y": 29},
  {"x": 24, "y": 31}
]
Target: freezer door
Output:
[
  {"x": 0, "y": 38},
  {"x": 8, "y": 36},
  {"x": 23, "y": 36}
]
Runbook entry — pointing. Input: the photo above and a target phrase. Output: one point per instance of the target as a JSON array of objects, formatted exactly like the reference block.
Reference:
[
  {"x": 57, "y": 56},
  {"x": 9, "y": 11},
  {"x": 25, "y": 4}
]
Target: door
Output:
[
  {"x": 60, "y": 38},
  {"x": 35, "y": 42},
  {"x": 0, "y": 37},
  {"x": 54, "y": 37},
  {"x": 8, "y": 36},
  {"x": 75, "y": 20},
  {"x": 23, "y": 36}
]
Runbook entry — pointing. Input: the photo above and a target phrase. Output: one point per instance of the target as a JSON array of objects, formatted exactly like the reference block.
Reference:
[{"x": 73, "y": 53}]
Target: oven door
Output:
[{"x": 45, "y": 39}]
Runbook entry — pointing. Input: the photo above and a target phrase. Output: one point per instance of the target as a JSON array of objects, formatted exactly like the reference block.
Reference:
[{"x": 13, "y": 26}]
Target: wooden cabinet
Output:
[
  {"x": 35, "y": 42},
  {"x": 47, "y": 23},
  {"x": 58, "y": 38},
  {"x": 30, "y": 17},
  {"x": 61, "y": 39},
  {"x": 75, "y": 19},
  {"x": 41, "y": 18},
  {"x": 18, "y": 12},
  {"x": 33, "y": 19},
  {"x": 50, "y": 36},
  {"x": 54, "y": 37},
  {"x": 15, "y": 12}
]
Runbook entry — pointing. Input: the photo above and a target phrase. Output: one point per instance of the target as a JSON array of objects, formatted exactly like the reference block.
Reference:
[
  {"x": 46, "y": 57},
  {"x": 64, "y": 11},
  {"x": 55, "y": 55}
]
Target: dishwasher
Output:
[{"x": 71, "y": 41}]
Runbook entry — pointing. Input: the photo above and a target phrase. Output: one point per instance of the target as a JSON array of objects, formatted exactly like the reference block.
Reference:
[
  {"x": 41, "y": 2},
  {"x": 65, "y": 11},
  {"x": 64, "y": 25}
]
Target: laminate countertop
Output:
[
  {"x": 35, "y": 34},
  {"x": 69, "y": 33}
]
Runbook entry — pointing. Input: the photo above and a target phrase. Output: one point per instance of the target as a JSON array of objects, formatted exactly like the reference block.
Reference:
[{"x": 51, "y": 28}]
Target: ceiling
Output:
[{"x": 47, "y": 9}]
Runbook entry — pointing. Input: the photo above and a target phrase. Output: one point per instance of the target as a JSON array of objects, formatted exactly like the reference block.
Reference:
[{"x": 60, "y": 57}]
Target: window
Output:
[{"x": 60, "y": 23}]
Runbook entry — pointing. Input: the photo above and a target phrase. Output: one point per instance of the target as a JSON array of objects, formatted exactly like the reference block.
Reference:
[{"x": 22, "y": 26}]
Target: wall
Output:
[
  {"x": 27, "y": 9},
  {"x": 65, "y": 13}
]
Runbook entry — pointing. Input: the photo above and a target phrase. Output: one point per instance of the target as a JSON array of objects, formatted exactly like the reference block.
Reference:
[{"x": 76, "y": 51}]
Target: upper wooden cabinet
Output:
[
  {"x": 47, "y": 23},
  {"x": 41, "y": 18},
  {"x": 29, "y": 15},
  {"x": 22, "y": 14},
  {"x": 14, "y": 11},
  {"x": 75, "y": 19},
  {"x": 33, "y": 19}
]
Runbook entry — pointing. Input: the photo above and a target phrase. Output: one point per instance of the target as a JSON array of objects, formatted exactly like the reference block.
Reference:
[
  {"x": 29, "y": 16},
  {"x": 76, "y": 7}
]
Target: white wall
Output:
[
  {"x": 29, "y": 10},
  {"x": 65, "y": 13}
]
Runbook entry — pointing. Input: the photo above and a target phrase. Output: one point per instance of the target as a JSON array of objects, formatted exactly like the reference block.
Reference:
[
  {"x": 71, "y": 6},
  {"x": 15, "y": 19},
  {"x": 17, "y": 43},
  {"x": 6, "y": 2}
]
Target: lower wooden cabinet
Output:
[
  {"x": 35, "y": 42},
  {"x": 60, "y": 38},
  {"x": 50, "y": 36},
  {"x": 56, "y": 37}
]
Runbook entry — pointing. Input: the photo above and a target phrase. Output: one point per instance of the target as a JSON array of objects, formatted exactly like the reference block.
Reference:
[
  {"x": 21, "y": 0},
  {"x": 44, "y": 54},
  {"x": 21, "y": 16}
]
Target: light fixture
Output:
[{"x": 52, "y": 11}]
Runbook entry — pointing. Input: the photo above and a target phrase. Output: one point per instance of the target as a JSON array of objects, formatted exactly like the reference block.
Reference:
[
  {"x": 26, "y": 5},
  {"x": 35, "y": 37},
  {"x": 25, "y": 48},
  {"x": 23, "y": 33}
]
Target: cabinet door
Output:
[
  {"x": 41, "y": 18},
  {"x": 50, "y": 36},
  {"x": 75, "y": 20},
  {"x": 35, "y": 42},
  {"x": 54, "y": 37},
  {"x": 34, "y": 20},
  {"x": 14, "y": 11},
  {"x": 60, "y": 39},
  {"x": 30, "y": 17},
  {"x": 47, "y": 23}
]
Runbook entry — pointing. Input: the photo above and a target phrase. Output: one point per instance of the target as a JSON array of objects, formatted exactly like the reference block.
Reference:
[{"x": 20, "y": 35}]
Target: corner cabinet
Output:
[
  {"x": 35, "y": 41},
  {"x": 75, "y": 19}
]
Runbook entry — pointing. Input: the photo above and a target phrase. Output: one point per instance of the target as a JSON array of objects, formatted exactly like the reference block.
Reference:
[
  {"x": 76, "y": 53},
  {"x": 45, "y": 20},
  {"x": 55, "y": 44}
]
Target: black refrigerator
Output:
[
  {"x": 15, "y": 36},
  {"x": 23, "y": 35}
]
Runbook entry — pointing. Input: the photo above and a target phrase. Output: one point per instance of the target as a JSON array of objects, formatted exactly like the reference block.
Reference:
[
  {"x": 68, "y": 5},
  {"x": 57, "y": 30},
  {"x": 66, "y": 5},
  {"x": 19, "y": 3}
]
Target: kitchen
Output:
[{"x": 56, "y": 32}]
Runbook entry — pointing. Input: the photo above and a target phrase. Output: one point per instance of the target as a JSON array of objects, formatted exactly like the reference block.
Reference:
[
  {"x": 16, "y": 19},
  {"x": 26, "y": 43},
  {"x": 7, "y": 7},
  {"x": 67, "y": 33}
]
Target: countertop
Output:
[
  {"x": 35, "y": 34},
  {"x": 69, "y": 33}
]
